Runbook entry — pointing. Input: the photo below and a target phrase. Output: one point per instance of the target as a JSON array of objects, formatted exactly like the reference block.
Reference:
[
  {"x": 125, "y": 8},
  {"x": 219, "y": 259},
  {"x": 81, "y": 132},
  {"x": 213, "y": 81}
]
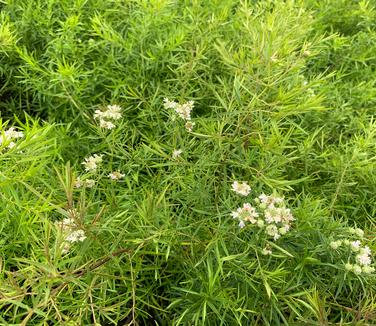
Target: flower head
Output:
[
  {"x": 182, "y": 110},
  {"x": 169, "y": 104},
  {"x": 335, "y": 244},
  {"x": 10, "y": 134},
  {"x": 247, "y": 213},
  {"x": 106, "y": 124},
  {"x": 88, "y": 183},
  {"x": 70, "y": 233},
  {"x": 355, "y": 245},
  {"x": 241, "y": 188},
  {"x": 189, "y": 125},
  {"x": 363, "y": 259},
  {"x": 266, "y": 251},
  {"x": 112, "y": 112},
  {"x": 270, "y": 201},
  {"x": 357, "y": 269},
  {"x": 75, "y": 236},
  {"x": 91, "y": 162},
  {"x": 272, "y": 230},
  {"x": 116, "y": 175},
  {"x": 176, "y": 153}
]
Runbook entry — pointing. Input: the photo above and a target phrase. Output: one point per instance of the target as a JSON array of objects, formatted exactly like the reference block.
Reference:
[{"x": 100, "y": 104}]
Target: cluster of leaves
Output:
[{"x": 270, "y": 82}]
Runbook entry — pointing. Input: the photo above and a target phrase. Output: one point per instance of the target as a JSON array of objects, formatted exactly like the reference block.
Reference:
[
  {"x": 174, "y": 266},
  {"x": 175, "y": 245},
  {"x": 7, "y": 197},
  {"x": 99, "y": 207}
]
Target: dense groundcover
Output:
[{"x": 187, "y": 162}]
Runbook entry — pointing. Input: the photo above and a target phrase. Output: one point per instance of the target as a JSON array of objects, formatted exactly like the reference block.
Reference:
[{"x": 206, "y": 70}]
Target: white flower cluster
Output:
[
  {"x": 360, "y": 255},
  {"x": 176, "y": 153},
  {"x": 112, "y": 112},
  {"x": 87, "y": 183},
  {"x": 91, "y": 162},
  {"x": 91, "y": 165},
  {"x": 241, "y": 188},
  {"x": 182, "y": 110},
  {"x": 277, "y": 217},
  {"x": 116, "y": 175},
  {"x": 266, "y": 251},
  {"x": 247, "y": 213},
  {"x": 70, "y": 233},
  {"x": 271, "y": 213},
  {"x": 7, "y": 136}
]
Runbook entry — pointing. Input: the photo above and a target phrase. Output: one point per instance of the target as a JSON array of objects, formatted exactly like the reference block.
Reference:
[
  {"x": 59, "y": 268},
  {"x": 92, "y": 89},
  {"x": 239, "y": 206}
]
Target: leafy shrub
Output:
[{"x": 118, "y": 210}]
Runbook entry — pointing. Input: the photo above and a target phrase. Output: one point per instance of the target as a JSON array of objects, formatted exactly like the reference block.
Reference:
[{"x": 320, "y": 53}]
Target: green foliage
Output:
[{"x": 283, "y": 97}]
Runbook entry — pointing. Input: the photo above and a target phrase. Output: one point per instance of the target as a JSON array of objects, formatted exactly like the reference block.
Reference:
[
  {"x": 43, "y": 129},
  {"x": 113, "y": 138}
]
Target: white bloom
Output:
[
  {"x": 263, "y": 198},
  {"x": 189, "y": 126},
  {"x": 249, "y": 213},
  {"x": 113, "y": 112},
  {"x": 272, "y": 230},
  {"x": 176, "y": 153},
  {"x": 270, "y": 201},
  {"x": 357, "y": 269},
  {"x": 246, "y": 213},
  {"x": 10, "y": 134},
  {"x": 13, "y": 133},
  {"x": 65, "y": 223},
  {"x": 273, "y": 215},
  {"x": 266, "y": 251},
  {"x": 335, "y": 244},
  {"x": 70, "y": 232},
  {"x": 355, "y": 245},
  {"x": 241, "y": 188},
  {"x": 75, "y": 236},
  {"x": 268, "y": 216},
  {"x": 241, "y": 224},
  {"x": 363, "y": 259},
  {"x": 90, "y": 165},
  {"x": 78, "y": 183},
  {"x": 91, "y": 162},
  {"x": 235, "y": 214},
  {"x": 106, "y": 124},
  {"x": 184, "y": 110},
  {"x": 116, "y": 175},
  {"x": 365, "y": 251},
  {"x": 98, "y": 114},
  {"x": 89, "y": 183},
  {"x": 170, "y": 104},
  {"x": 285, "y": 214}
]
